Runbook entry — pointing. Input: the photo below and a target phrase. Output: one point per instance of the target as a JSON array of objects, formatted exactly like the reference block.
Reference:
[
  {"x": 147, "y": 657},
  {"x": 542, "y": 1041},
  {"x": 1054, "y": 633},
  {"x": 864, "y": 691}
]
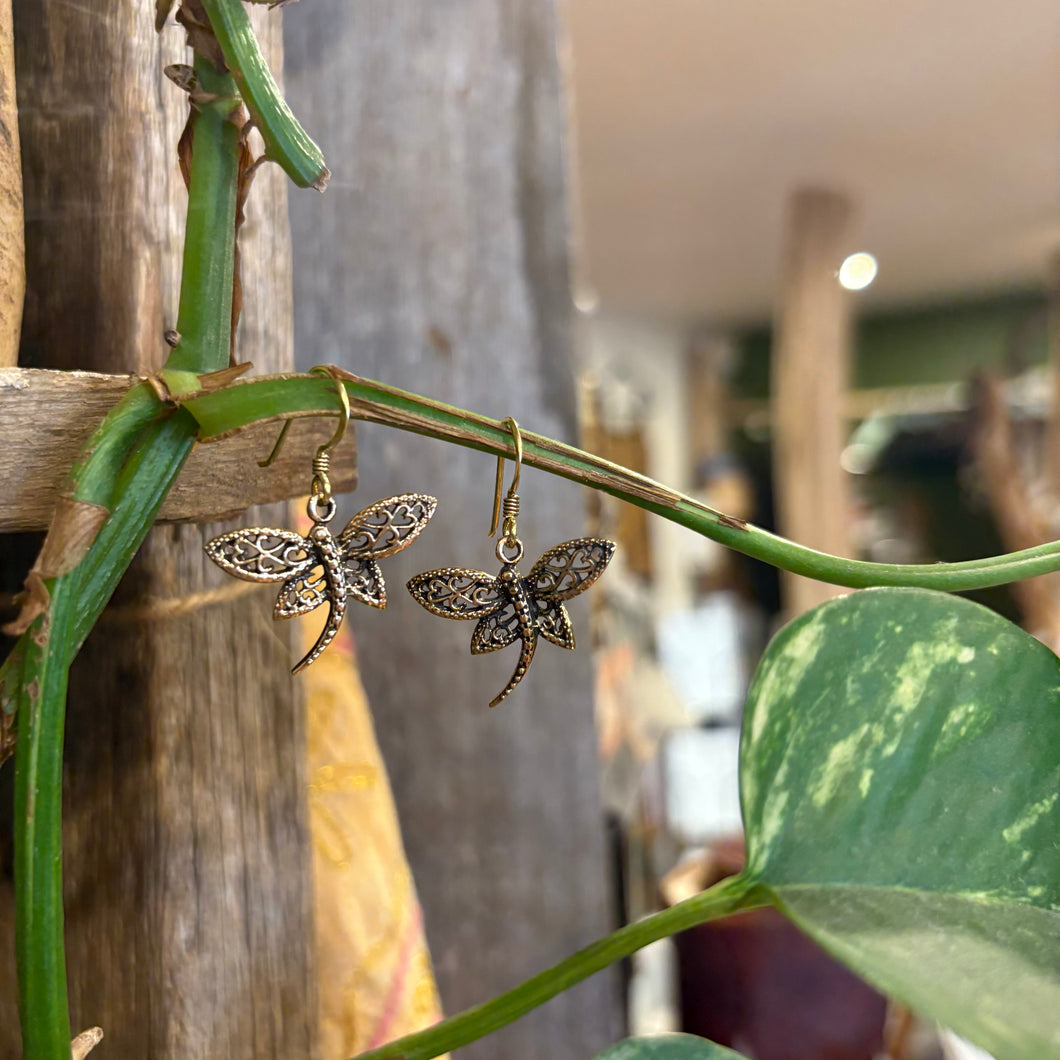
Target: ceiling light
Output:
[
  {"x": 858, "y": 271},
  {"x": 586, "y": 299}
]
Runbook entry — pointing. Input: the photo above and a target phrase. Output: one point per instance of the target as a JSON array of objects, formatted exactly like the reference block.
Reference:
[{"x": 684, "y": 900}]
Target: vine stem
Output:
[
  {"x": 224, "y": 411},
  {"x": 728, "y": 896},
  {"x": 286, "y": 142},
  {"x": 126, "y": 470}
]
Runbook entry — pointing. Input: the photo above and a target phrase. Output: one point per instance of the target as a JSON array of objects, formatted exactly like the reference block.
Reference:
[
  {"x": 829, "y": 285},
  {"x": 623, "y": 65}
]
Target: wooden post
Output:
[
  {"x": 1020, "y": 522},
  {"x": 440, "y": 265},
  {"x": 186, "y": 865},
  {"x": 1052, "y": 435},
  {"x": 708, "y": 398},
  {"x": 12, "y": 256},
  {"x": 810, "y": 366}
]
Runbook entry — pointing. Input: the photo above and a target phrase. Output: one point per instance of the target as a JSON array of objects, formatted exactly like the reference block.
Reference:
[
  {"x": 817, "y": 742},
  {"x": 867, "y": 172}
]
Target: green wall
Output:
[{"x": 941, "y": 343}]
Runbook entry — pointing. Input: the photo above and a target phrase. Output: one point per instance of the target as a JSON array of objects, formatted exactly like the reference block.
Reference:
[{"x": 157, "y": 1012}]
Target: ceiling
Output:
[{"x": 694, "y": 119}]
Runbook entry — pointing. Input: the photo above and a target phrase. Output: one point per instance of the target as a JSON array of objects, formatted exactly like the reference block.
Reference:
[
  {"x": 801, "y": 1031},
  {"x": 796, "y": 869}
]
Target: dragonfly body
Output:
[
  {"x": 330, "y": 556},
  {"x": 526, "y": 616},
  {"x": 319, "y": 567},
  {"x": 509, "y": 607}
]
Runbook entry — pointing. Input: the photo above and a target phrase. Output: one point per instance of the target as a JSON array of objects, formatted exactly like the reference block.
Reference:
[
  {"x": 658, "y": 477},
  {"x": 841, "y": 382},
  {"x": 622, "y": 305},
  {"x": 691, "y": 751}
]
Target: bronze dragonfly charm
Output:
[
  {"x": 320, "y": 567},
  {"x": 509, "y": 607}
]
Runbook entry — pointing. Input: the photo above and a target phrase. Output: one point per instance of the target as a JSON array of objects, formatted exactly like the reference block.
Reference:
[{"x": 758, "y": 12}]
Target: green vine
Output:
[
  {"x": 223, "y": 411},
  {"x": 125, "y": 473},
  {"x": 728, "y": 896}
]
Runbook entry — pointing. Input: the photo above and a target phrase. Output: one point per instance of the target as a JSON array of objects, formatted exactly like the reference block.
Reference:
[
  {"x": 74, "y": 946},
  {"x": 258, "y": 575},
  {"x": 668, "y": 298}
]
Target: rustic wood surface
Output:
[
  {"x": 46, "y": 417},
  {"x": 186, "y": 855},
  {"x": 810, "y": 375},
  {"x": 1020, "y": 521},
  {"x": 12, "y": 244},
  {"x": 437, "y": 261}
]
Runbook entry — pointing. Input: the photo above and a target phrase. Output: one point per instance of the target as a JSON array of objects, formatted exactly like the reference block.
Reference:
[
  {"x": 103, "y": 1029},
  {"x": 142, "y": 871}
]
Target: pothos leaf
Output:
[
  {"x": 668, "y": 1047},
  {"x": 900, "y": 778}
]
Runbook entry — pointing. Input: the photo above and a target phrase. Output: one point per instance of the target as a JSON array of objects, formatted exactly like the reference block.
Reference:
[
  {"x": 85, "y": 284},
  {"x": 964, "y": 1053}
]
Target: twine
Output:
[{"x": 173, "y": 607}]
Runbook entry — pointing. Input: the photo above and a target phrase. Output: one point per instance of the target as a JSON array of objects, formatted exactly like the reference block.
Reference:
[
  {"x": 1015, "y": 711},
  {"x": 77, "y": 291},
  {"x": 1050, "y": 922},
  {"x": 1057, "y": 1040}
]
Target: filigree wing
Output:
[
  {"x": 570, "y": 568},
  {"x": 387, "y": 526},
  {"x": 496, "y": 630},
  {"x": 301, "y": 594},
  {"x": 364, "y": 580},
  {"x": 259, "y": 554},
  {"x": 553, "y": 623},
  {"x": 455, "y": 592}
]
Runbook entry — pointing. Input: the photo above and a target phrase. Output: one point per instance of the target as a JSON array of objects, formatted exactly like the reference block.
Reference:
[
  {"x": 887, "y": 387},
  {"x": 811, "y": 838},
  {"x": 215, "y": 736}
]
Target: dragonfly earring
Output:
[
  {"x": 318, "y": 567},
  {"x": 509, "y": 607}
]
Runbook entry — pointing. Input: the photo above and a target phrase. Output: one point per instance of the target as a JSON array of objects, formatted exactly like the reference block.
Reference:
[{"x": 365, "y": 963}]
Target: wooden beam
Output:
[
  {"x": 46, "y": 417},
  {"x": 186, "y": 858},
  {"x": 12, "y": 243},
  {"x": 1051, "y": 460},
  {"x": 811, "y": 356},
  {"x": 459, "y": 288}
]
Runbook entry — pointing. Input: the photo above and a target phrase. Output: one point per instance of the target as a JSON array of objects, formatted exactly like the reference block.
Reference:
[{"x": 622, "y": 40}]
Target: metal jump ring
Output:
[
  {"x": 515, "y": 544},
  {"x": 313, "y": 508}
]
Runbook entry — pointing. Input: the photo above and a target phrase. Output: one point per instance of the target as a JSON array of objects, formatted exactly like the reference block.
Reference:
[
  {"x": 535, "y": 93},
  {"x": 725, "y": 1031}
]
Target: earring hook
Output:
[
  {"x": 322, "y": 461},
  {"x": 511, "y": 501}
]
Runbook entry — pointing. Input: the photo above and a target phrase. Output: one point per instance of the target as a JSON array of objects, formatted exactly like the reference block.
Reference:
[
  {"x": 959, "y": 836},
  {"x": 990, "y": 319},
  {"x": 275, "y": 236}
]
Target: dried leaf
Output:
[
  {"x": 182, "y": 75},
  {"x": 225, "y": 377},
  {"x": 85, "y": 1042},
  {"x": 246, "y": 177},
  {"x": 174, "y": 388},
  {"x": 32, "y": 601},
  {"x": 200, "y": 34},
  {"x": 10, "y": 684},
  {"x": 162, "y": 10},
  {"x": 184, "y": 147},
  {"x": 7, "y": 737},
  {"x": 72, "y": 530}
]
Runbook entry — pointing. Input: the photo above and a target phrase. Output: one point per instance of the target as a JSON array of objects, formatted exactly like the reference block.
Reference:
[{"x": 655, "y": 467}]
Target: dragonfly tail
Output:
[
  {"x": 528, "y": 645},
  {"x": 327, "y": 635}
]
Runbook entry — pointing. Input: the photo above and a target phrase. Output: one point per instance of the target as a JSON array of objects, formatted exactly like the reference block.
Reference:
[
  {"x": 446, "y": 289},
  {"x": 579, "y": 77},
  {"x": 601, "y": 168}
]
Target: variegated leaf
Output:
[
  {"x": 900, "y": 782},
  {"x": 668, "y": 1047}
]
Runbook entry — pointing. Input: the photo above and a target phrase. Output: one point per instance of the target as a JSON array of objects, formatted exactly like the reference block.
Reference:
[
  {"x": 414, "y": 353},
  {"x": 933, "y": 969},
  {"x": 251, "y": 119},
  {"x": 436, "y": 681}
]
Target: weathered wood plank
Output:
[
  {"x": 437, "y": 262},
  {"x": 12, "y": 244},
  {"x": 186, "y": 867},
  {"x": 46, "y": 417}
]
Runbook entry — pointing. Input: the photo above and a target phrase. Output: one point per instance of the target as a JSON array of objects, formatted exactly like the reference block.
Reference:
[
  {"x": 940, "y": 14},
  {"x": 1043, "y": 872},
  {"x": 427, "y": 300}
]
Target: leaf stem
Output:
[
  {"x": 273, "y": 397},
  {"x": 728, "y": 896},
  {"x": 286, "y": 142}
]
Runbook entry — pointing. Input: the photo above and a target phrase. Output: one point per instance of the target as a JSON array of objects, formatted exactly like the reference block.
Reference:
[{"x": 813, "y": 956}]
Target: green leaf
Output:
[
  {"x": 900, "y": 777},
  {"x": 668, "y": 1047}
]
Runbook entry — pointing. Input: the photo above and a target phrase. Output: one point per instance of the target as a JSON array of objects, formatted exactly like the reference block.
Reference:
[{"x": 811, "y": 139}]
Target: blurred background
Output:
[{"x": 816, "y": 272}]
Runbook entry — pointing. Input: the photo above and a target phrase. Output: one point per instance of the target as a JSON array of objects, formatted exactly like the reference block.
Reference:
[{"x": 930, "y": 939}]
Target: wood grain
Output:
[
  {"x": 46, "y": 417},
  {"x": 437, "y": 262},
  {"x": 186, "y": 863},
  {"x": 12, "y": 243}
]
